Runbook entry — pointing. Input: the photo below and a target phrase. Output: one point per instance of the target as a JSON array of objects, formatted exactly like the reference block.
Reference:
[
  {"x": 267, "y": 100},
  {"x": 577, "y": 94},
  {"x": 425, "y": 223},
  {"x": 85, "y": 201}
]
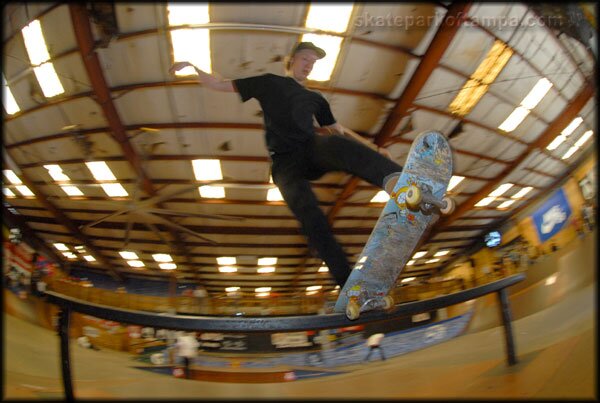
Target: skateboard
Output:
[{"x": 416, "y": 202}]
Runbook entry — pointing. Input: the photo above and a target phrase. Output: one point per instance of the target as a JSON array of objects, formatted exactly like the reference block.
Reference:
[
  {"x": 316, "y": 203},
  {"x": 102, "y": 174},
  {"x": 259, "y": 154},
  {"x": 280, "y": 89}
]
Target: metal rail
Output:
[{"x": 269, "y": 324}]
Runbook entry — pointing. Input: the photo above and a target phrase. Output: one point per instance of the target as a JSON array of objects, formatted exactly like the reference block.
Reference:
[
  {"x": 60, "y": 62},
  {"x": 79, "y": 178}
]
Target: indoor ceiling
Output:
[{"x": 120, "y": 105}]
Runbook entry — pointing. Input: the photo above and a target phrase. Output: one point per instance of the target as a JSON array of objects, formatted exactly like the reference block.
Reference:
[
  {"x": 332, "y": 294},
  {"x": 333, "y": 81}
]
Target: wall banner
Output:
[{"x": 552, "y": 216}]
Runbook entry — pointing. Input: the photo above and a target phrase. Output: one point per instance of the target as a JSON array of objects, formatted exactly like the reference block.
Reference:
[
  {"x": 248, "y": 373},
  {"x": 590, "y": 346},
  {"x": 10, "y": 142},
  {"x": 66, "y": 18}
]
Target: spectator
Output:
[
  {"x": 588, "y": 216},
  {"x": 374, "y": 343},
  {"x": 186, "y": 347}
]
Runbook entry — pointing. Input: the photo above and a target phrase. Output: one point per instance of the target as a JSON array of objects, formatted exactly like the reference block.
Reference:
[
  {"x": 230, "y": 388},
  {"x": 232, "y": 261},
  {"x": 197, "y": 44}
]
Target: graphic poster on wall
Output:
[{"x": 551, "y": 217}]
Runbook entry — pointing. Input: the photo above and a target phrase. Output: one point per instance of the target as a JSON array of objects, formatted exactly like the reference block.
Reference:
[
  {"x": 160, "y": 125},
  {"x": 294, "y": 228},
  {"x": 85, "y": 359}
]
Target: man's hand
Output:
[{"x": 178, "y": 66}]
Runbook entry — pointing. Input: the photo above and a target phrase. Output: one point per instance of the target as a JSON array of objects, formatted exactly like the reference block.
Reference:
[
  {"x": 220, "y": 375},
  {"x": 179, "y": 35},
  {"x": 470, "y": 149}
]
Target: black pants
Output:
[
  {"x": 292, "y": 173},
  {"x": 371, "y": 350},
  {"x": 186, "y": 366}
]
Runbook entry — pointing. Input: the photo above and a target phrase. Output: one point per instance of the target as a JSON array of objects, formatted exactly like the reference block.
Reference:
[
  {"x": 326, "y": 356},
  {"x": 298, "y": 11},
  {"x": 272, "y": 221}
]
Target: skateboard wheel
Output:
[
  {"x": 388, "y": 302},
  {"x": 449, "y": 209},
  {"x": 352, "y": 310},
  {"x": 413, "y": 197}
]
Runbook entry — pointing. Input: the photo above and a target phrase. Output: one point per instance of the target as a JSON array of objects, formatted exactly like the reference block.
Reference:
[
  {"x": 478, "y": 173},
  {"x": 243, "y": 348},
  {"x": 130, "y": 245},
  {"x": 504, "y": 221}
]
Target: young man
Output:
[{"x": 298, "y": 154}]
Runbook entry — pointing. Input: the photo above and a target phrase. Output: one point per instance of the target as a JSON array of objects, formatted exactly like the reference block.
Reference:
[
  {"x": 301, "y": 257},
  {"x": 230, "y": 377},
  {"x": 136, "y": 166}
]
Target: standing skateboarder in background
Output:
[{"x": 298, "y": 154}]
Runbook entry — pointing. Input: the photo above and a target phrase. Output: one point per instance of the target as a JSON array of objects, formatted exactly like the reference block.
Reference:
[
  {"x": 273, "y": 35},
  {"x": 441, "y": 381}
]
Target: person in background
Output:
[
  {"x": 186, "y": 347},
  {"x": 374, "y": 343}
]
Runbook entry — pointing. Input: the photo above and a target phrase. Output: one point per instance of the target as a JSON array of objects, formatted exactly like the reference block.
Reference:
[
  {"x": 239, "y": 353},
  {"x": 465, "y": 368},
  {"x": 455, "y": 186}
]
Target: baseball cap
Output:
[{"x": 308, "y": 45}]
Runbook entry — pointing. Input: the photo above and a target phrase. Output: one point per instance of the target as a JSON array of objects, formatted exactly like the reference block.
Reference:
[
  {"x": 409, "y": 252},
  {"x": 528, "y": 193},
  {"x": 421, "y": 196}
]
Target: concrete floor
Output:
[{"x": 554, "y": 328}]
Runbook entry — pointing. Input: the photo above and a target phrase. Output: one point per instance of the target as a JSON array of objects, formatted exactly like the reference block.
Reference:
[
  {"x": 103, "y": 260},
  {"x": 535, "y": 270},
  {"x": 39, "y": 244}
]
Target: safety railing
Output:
[{"x": 68, "y": 304}]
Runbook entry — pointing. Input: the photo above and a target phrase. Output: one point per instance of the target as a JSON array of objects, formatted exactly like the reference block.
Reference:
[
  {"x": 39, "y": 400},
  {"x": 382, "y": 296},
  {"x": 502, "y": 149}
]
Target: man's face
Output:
[{"x": 302, "y": 63}]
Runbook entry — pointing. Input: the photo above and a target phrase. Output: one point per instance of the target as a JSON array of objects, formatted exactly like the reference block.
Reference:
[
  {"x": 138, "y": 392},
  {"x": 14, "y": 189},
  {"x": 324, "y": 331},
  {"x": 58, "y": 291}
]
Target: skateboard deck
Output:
[{"x": 400, "y": 229}]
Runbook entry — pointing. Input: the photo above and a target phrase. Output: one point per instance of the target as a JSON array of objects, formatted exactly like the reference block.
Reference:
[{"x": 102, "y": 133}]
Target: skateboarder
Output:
[{"x": 298, "y": 153}]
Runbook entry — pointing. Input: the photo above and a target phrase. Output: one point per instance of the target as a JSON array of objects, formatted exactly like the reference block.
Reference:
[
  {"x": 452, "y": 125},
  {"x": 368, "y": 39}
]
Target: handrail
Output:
[
  {"x": 272, "y": 324},
  {"x": 269, "y": 324}
]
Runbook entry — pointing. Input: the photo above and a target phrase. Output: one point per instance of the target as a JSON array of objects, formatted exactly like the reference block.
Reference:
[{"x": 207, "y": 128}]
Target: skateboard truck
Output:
[
  {"x": 353, "y": 310},
  {"x": 417, "y": 199}
]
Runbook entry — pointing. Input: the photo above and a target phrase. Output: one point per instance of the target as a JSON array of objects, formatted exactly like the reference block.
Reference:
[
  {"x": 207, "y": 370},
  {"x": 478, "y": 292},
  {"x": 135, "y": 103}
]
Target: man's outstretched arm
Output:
[{"x": 211, "y": 81}]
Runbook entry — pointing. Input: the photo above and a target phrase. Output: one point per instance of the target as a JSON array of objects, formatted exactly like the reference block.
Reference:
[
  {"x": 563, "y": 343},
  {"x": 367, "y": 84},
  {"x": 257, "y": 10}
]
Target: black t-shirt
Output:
[{"x": 288, "y": 109}]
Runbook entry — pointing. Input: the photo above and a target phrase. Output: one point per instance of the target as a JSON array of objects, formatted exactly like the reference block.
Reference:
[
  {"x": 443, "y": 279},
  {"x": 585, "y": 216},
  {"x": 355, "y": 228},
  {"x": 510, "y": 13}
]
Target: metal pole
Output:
[
  {"x": 507, "y": 321},
  {"x": 63, "y": 331}
]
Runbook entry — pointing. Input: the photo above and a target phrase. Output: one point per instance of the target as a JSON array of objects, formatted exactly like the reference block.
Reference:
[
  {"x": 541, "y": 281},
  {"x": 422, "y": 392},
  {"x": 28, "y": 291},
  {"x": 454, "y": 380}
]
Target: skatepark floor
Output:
[{"x": 555, "y": 348}]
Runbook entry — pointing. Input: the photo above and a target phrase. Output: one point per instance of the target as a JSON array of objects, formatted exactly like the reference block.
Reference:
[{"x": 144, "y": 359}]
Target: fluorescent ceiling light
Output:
[
  {"x": 205, "y": 170},
  {"x": 333, "y": 17},
  {"x": 536, "y": 94},
  {"x": 584, "y": 138},
  {"x": 572, "y": 126},
  {"x": 407, "y": 279},
  {"x": 232, "y": 289},
  {"x": 89, "y": 258},
  {"x": 381, "y": 197},
  {"x": 190, "y": 44},
  {"x": 514, "y": 120},
  {"x": 410, "y": 263},
  {"x": 432, "y": 261},
  {"x": 479, "y": 82},
  {"x": 190, "y": 13},
  {"x": 266, "y": 269},
  {"x": 12, "y": 177},
  {"x": 212, "y": 192},
  {"x": 262, "y": 289},
  {"x": 69, "y": 255},
  {"x": 419, "y": 254},
  {"x": 500, "y": 190},
  {"x": 24, "y": 190},
  {"x": 114, "y": 189},
  {"x": 571, "y": 151},
  {"x": 323, "y": 269},
  {"x": 71, "y": 190},
  {"x": 48, "y": 79},
  {"x": 314, "y": 287},
  {"x": 128, "y": 255},
  {"x": 485, "y": 201},
  {"x": 56, "y": 173},
  {"x": 522, "y": 192},
  {"x": 227, "y": 269},
  {"x": 38, "y": 56},
  {"x": 506, "y": 204},
  {"x": 35, "y": 43},
  {"x": 100, "y": 171},
  {"x": 167, "y": 266},
  {"x": 327, "y": 17},
  {"x": 135, "y": 263},
  {"x": 262, "y": 294},
  {"x": 61, "y": 246},
  {"x": 274, "y": 195},
  {"x": 441, "y": 253},
  {"x": 323, "y": 68},
  {"x": 226, "y": 260},
  {"x": 10, "y": 104},
  {"x": 162, "y": 257},
  {"x": 7, "y": 192},
  {"x": 454, "y": 181},
  {"x": 267, "y": 261},
  {"x": 558, "y": 140}
]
